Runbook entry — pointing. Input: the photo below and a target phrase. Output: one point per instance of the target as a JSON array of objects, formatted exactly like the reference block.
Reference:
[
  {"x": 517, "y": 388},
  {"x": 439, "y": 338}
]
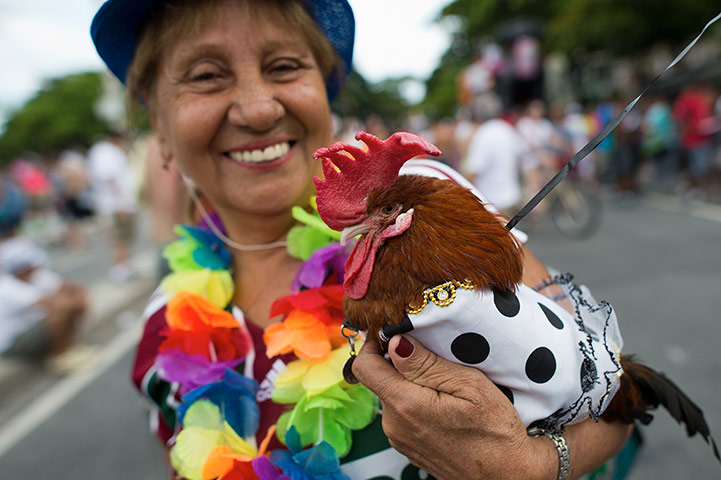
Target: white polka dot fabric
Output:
[{"x": 556, "y": 368}]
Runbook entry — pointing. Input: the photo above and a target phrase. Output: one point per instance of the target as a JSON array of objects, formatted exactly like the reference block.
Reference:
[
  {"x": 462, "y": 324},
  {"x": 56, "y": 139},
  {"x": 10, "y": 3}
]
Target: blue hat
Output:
[{"x": 116, "y": 28}]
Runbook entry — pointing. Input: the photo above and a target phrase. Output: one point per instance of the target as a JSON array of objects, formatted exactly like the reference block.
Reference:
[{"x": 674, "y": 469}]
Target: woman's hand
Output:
[
  {"x": 453, "y": 422},
  {"x": 448, "y": 419}
]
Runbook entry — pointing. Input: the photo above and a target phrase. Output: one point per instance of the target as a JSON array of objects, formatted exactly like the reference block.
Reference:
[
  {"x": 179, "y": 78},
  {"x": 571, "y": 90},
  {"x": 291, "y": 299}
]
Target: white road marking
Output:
[
  {"x": 696, "y": 209},
  {"x": 66, "y": 389}
]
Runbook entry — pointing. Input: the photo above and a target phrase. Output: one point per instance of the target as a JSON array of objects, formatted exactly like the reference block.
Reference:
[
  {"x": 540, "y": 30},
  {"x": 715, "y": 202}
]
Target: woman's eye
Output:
[
  {"x": 284, "y": 69},
  {"x": 204, "y": 71},
  {"x": 203, "y": 76}
]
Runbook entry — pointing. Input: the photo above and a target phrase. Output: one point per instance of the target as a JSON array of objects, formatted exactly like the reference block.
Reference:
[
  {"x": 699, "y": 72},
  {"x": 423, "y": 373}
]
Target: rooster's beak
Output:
[{"x": 353, "y": 231}]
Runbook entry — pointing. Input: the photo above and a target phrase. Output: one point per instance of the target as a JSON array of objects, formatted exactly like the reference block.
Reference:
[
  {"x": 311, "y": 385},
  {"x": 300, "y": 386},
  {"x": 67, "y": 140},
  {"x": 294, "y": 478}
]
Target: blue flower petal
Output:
[
  {"x": 212, "y": 254},
  {"x": 320, "y": 461},
  {"x": 292, "y": 440},
  {"x": 235, "y": 396},
  {"x": 206, "y": 258}
]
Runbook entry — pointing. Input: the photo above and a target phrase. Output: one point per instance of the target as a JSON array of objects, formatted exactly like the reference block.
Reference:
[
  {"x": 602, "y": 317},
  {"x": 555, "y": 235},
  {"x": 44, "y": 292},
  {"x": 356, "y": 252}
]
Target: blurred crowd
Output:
[
  {"x": 67, "y": 202},
  {"x": 670, "y": 143}
]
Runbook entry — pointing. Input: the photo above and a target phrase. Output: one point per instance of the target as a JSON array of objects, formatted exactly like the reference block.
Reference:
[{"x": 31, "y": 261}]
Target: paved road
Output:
[{"x": 660, "y": 268}]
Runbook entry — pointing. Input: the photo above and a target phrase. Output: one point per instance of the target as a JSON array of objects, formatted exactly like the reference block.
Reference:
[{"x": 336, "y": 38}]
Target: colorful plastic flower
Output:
[
  {"x": 305, "y": 378},
  {"x": 196, "y": 249},
  {"x": 191, "y": 371},
  {"x": 197, "y": 327},
  {"x": 234, "y": 395},
  {"x": 203, "y": 431},
  {"x": 315, "y": 271},
  {"x": 216, "y": 286},
  {"x": 318, "y": 463},
  {"x": 311, "y": 327},
  {"x": 314, "y": 234},
  {"x": 327, "y": 408},
  {"x": 265, "y": 470},
  {"x": 213, "y": 218},
  {"x": 331, "y": 416},
  {"x": 224, "y": 464}
]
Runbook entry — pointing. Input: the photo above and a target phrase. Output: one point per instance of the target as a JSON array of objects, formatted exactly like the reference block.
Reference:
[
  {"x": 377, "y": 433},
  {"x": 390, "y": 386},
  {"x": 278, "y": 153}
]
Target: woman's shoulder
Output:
[
  {"x": 156, "y": 304},
  {"x": 153, "y": 324}
]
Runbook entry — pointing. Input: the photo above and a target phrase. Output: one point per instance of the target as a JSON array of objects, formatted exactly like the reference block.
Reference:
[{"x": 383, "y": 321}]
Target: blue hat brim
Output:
[{"x": 116, "y": 27}]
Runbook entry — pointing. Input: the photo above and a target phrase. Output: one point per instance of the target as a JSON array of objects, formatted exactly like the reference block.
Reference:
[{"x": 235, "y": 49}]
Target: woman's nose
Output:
[{"x": 255, "y": 106}]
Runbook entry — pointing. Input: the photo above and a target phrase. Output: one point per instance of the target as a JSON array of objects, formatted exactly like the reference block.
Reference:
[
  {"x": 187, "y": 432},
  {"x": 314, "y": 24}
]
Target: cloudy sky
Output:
[{"x": 41, "y": 39}]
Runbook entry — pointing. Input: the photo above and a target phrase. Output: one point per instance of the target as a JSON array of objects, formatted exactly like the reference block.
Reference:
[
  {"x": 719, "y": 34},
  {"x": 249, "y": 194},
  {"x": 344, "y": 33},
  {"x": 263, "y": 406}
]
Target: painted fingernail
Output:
[{"x": 404, "y": 348}]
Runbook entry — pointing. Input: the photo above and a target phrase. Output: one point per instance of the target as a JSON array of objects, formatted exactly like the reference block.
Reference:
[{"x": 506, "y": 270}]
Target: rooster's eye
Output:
[{"x": 388, "y": 209}]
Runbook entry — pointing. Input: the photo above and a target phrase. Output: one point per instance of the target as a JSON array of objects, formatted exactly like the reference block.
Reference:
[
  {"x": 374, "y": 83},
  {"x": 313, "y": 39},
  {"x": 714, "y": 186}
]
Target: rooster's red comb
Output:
[{"x": 351, "y": 173}]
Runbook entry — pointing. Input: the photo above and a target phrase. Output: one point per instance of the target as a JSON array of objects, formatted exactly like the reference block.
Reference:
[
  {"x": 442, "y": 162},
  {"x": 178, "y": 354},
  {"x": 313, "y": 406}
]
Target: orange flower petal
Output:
[
  {"x": 189, "y": 311},
  {"x": 222, "y": 464},
  {"x": 309, "y": 345},
  {"x": 335, "y": 336},
  {"x": 278, "y": 339},
  {"x": 299, "y": 319}
]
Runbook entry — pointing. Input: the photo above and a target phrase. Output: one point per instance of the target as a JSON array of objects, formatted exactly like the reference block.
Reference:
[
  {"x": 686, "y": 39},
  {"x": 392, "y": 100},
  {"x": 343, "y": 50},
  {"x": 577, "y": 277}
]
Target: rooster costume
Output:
[
  {"x": 555, "y": 368},
  {"x": 564, "y": 371}
]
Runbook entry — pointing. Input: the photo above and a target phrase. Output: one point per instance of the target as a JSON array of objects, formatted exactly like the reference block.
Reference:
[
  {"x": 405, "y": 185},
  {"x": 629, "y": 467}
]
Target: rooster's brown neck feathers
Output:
[{"x": 439, "y": 246}]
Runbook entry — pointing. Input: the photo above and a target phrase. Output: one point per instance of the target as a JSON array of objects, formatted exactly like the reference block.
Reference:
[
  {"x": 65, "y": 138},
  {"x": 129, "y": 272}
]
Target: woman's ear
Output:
[{"x": 159, "y": 129}]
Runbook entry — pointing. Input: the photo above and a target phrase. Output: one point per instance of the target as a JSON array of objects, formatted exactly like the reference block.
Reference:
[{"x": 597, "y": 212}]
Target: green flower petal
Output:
[
  {"x": 303, "y": 241},
  {"x": 314, "y": 220},
  {"x": 180, "y": 256},
  {"x": 291, "y": 394},
  {"x": 361, "y": 411}
]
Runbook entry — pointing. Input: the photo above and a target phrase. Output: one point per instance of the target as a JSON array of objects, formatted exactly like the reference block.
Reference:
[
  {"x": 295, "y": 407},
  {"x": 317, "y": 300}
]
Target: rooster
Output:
[{"x": 431, "y": 261}]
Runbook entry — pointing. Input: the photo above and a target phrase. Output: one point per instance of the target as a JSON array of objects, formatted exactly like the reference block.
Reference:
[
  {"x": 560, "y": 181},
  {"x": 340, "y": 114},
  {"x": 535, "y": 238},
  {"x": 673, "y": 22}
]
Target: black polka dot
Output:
[
  {"x": 507, "y": 303},
  {"x": 506, "y": 391},
  {"x": 589, "y": 374},
  {"x": 470, "y": 348},
  {"x": 541, "y": 365},
  {"x": 552, "y": 317}
]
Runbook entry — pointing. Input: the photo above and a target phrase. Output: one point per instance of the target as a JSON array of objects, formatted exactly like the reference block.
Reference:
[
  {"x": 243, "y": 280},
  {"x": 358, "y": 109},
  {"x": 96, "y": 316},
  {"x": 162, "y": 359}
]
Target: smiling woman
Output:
[
  {"x": 223, "y": 98},
  {"x": 238, "y": 94}
]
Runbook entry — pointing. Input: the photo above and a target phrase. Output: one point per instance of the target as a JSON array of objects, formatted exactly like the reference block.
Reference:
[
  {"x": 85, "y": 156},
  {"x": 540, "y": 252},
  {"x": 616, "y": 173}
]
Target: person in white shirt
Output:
[
  {"x": 40, "y": 312},
  {"x": 496, "y": 157},
  {"x": 114, "y": 196}
]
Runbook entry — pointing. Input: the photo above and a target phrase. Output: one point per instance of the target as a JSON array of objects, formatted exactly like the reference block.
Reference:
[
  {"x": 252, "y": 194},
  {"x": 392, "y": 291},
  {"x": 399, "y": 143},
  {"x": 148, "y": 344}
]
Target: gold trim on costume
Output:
[{"x": 442, "y": 295}]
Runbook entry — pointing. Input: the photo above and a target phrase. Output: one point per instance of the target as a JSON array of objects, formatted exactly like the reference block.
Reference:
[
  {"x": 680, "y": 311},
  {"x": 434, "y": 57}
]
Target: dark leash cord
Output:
[{"x": 600, "y": 136}]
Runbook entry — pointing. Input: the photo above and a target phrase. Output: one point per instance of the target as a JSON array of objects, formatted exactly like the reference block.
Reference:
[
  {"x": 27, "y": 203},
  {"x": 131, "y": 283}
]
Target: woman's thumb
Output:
[{"x": 419, "y": 365}]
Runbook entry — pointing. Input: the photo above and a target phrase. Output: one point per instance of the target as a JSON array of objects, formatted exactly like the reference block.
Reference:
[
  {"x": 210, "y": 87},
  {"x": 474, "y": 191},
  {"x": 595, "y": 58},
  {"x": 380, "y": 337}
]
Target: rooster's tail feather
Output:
[{"x": 643, "y": 389}]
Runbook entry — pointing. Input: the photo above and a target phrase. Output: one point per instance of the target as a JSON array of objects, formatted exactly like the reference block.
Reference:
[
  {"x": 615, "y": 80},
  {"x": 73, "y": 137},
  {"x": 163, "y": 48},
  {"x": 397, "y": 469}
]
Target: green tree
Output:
[
  {"x": 59, "y": 115},
  {"x": 360, "y": 98},
  {"x": 620, "y": 27},
  {"x": 574, "y": 27}
]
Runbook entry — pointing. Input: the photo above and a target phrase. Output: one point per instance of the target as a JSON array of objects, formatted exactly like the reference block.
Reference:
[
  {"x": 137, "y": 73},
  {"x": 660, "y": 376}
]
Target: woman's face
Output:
[{"x": 241, "y": 107}]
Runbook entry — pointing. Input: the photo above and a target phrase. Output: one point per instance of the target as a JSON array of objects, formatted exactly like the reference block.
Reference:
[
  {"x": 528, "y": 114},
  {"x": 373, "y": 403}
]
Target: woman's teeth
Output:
[{"x": 267, "y": 154}]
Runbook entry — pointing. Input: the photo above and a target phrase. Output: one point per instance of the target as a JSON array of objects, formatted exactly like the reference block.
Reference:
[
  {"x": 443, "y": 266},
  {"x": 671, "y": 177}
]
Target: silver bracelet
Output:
[{"x": 564, "y": 457}]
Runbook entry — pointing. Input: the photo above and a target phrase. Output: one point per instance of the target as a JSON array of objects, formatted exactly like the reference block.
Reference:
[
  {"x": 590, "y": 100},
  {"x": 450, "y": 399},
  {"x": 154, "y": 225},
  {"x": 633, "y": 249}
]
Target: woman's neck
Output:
[
  {"x": 260, "y": 279},
  {"x": 256, "y": 229}
]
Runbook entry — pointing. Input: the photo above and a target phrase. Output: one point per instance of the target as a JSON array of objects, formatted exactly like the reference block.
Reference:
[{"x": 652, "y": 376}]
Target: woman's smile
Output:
[{"x": 267, "y": 157}]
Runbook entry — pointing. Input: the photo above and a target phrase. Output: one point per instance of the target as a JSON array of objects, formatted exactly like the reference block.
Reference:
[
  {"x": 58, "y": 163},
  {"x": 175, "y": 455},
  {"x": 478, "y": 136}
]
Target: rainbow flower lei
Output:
[{"x": 204, "y": 347}]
